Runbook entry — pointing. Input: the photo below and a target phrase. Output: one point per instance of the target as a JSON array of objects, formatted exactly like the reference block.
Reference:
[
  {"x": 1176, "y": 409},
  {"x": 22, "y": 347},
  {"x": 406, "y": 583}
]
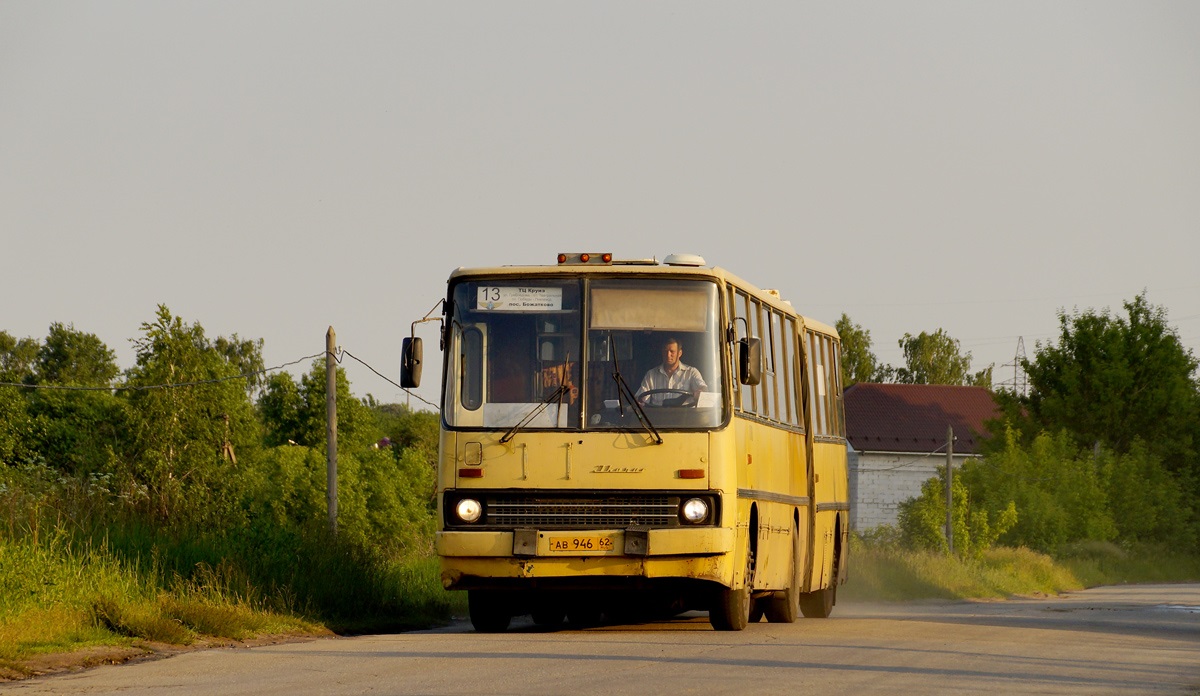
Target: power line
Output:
[
  {"x": 246, "y": 375},
  {"x": 909, "y": 462},
  {"x": 172, "y": 385},
  {"x": 386, "y": 379}
]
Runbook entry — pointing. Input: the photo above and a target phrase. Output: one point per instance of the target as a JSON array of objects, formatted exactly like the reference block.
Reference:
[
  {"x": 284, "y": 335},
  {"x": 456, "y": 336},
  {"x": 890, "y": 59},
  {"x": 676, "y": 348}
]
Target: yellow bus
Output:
[{"x": 633, "y": 439}]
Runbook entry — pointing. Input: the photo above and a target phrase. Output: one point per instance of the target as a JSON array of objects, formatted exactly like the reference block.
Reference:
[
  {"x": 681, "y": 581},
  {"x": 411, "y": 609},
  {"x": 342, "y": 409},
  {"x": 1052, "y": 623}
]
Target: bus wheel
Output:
[
  {"x": 731, "y": 608},
  {"x": 784, "y": 607},
  {"x": 489, "y": 613}
]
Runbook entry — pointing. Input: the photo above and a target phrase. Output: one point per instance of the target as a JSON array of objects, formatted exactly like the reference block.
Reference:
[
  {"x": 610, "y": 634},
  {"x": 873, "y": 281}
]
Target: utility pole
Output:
[
  {"x": 331, "y": 426},
  {"x": 950, "y": 487}
]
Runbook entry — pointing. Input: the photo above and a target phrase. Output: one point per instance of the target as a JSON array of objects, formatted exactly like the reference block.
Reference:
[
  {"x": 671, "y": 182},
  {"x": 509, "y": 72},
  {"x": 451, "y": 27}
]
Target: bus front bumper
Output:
[
  {"x": 492, "y": 559},
  {"x": 532, "y": 543}
]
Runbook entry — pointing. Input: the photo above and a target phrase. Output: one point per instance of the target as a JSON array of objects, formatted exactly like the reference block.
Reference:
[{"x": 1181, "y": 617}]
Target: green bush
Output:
[{"x": 922, "y": 521}]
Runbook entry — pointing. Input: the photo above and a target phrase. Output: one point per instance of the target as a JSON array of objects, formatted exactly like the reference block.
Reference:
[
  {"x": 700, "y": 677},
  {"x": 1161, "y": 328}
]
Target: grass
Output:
[
  {"x": 62, "y": 590},
  {"x": 887, "y": 573},
  {"x": 59, "y": 595}
]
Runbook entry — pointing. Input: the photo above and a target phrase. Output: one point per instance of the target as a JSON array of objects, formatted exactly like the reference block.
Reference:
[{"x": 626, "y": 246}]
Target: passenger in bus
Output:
[{"x": 682, "y": 383}]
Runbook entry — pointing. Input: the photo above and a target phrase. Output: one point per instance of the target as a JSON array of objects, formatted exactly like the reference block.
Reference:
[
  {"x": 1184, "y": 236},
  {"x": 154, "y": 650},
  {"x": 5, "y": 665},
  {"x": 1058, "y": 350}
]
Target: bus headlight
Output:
[
  {"x": 468, "y": 510},
  {"x": 695, "y": 510}
]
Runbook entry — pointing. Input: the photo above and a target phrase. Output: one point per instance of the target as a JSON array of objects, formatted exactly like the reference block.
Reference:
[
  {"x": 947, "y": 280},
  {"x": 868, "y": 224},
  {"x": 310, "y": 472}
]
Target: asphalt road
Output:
[{"x": 1118, "y": 640}]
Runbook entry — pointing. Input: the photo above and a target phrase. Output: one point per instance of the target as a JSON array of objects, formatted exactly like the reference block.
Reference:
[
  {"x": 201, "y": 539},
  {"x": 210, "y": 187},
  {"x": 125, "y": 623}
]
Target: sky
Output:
[{"x": 275, "y": 168}]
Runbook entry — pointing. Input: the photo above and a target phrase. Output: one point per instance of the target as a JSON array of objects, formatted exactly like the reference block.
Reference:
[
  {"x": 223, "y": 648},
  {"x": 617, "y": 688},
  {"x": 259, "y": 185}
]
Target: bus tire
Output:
[
  {"x": 731, "y": 608},
  {"x": 784, "y": 607},
  {"x": 489, "y": 613}
]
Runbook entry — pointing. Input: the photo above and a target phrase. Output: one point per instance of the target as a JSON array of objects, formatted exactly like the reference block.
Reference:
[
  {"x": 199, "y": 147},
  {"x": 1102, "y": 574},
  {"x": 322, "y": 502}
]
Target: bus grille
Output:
[{"x": 584, "y": 512}]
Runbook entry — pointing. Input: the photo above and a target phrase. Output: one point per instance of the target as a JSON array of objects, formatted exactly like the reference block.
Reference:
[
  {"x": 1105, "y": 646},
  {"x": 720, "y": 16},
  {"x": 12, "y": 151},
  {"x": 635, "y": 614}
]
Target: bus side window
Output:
[{"x": 472, "y": 368}]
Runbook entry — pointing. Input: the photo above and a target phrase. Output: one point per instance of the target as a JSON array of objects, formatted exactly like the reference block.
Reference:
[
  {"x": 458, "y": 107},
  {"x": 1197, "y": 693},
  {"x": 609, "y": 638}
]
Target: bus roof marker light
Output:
[{"x": 585, "y": 259}]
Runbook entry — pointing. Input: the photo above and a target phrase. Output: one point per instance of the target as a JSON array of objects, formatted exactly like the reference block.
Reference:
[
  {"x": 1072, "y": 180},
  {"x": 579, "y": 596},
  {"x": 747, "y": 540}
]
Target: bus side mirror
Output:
[
  {"x": 410, "y": 363},
  {"x": 750, "y": 361}
]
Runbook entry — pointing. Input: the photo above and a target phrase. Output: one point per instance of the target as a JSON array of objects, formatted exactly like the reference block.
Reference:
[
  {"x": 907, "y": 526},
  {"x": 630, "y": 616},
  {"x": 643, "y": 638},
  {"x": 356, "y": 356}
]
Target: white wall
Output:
[{"x": 880, "y": 481}]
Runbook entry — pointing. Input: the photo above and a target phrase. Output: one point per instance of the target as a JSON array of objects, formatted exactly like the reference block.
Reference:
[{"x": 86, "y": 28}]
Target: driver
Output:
[{"x": 671, "y": 374}]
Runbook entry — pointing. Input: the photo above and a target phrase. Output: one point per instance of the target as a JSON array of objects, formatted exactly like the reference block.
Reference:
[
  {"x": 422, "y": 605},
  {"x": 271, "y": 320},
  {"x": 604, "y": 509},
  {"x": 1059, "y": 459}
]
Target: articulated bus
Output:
[{"x": 636, "y": 439}]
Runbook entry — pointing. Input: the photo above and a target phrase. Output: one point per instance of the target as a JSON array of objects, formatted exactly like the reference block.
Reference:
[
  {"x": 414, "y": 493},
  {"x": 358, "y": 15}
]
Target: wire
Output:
[
  {"x": 386, "y": 379},
  {"x": 173, "y": 385},
  {"x": 909, "y": 462}
]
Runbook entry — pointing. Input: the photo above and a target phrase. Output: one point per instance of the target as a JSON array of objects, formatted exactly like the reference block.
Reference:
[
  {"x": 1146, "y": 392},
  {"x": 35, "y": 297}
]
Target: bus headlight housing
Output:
[
  {"x": 468, "y": 510},
  {"x": 694, "y": 510}
]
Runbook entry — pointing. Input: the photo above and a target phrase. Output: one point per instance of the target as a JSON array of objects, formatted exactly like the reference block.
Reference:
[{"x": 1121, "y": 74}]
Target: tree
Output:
[
  {"x": 246, "y": 356},
  {"x": 355, "y": 423},
  {"x": 280, "y": 406},
  {"x": 1059, "y": 491},
  {"x": 934, "y": 358},
  {"x": 76, "y": 431},
  {"x": 70, "y": 357},
  {"x": 296, "y": 413},
  {"x": 15, "y": 425},
  {"x": 922, "y": 520},
  {"x": 17, "y": 358},
  {"x": 859, "y": 364},
  {"x": 1117, "y": 380},
  {"x": 188, "y": 418}
]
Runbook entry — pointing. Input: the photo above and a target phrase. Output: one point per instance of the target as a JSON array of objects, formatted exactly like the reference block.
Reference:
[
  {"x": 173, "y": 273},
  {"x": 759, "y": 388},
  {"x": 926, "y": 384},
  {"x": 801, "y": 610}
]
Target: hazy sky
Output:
[{"x": 273, "y": 168}]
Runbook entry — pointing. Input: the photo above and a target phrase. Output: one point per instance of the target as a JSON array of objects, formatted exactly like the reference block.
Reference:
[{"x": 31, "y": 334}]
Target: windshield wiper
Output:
[
  {"x": 625, "y": 393},
  {"x": 556, "y": 394}
]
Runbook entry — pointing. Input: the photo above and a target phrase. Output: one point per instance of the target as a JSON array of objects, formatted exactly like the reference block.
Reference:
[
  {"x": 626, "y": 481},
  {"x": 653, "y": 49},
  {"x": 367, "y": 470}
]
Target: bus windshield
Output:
[{"x": 577, "y": 353}]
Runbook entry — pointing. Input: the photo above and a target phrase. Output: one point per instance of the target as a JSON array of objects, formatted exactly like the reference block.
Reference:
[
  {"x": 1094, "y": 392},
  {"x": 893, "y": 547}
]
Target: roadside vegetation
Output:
[{"x": 135, "y": 515}]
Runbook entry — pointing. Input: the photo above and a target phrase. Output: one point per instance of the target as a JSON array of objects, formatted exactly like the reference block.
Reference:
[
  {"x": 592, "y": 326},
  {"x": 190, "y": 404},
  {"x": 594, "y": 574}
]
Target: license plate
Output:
[{"x": 579, "y": 544}]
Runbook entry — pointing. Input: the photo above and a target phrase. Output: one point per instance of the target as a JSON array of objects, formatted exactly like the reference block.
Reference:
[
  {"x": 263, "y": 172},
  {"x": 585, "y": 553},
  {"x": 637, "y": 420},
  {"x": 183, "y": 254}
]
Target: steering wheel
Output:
[{"x": 683, "y": 398}]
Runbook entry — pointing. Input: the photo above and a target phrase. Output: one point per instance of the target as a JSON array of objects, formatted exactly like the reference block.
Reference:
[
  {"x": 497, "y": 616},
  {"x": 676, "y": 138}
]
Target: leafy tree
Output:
[
  {"x": 1116, "y": 380},
  {"x": 15, "y": 425},
  {"x": 356, "y": 425},
  {"x": 70, "y": 357},
  {"x": 1060, "y": 492},
  {"x": 1145, "y": 500},
  {"x": 17, "y": 358},
  {"x": 935, "y": 358},
  {"x": 246, "y": 357},
  {"x": 280, "y": 406},
  {"x": 187, "y": 438},
  {"x": 922, "y": 520},
  {"x": 75, "y": 431},
  {"x": 859, "y": 364},
  {"x": 296, "y": 413},
  {"x": 408, "y": 429}
]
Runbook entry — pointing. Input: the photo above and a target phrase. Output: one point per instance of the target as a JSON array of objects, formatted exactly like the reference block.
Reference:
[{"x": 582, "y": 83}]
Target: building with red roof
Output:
[{"x": 897, "y": 436}]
